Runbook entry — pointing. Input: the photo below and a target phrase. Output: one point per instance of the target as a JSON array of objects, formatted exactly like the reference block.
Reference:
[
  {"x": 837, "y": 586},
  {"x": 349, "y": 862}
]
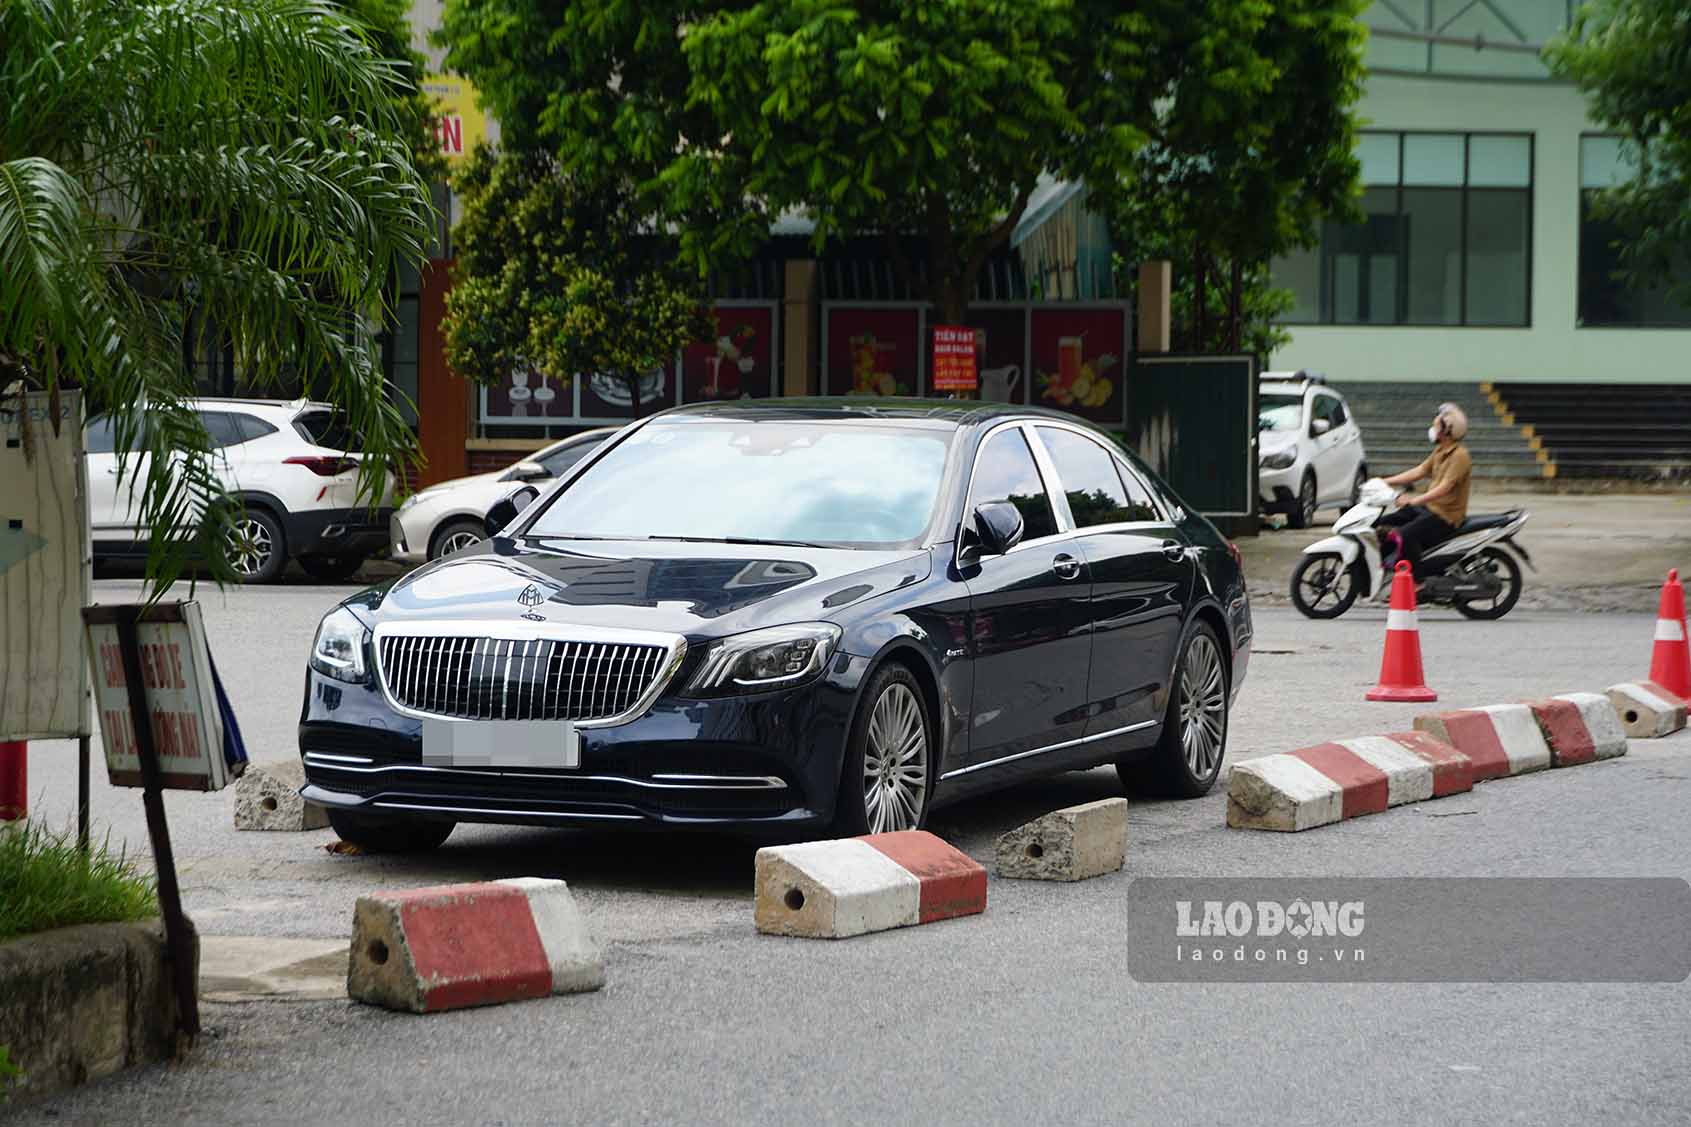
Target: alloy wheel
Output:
[
  {"x": 1203, "y": 706},
  {"x": 895, "y": 762},
  {"x": 463, "y": 538},
  {"x": 250, "y": 546}
]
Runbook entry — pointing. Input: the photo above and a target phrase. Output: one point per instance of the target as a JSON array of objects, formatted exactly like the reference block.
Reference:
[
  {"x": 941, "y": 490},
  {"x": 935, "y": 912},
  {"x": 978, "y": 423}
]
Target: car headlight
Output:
[
  {"x": 765, "y": 659},
  {"x": 338, "y": 650},
  {"x": 1281, "y": 460}
]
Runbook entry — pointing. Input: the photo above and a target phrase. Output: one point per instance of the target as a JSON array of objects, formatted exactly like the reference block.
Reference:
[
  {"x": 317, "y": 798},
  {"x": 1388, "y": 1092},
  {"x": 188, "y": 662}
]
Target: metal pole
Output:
[
  {"x": 164, "y": 861},
  {"x": 82, "y": 793},
  {"x": 14, "y": 780}
]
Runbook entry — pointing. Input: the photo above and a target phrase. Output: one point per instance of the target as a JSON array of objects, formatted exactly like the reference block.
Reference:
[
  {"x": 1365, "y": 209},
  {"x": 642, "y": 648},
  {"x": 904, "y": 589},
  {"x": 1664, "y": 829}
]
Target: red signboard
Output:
[
  {"x": 1077, "y": 361},
  {"x": 873, "y": 351},
  {"x": 739, "y": 363},
  {"x": 954, "y": 358}
]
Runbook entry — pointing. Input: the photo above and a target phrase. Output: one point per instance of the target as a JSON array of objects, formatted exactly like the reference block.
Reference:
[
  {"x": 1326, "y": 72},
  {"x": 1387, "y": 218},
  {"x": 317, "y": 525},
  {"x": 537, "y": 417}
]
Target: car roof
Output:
[
  {"x": 290, "y": 407},
  {"x": 933, "y": 412}
]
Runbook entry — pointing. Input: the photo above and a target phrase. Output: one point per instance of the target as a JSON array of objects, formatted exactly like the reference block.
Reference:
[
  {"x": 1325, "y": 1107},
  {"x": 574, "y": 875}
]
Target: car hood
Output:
[
  {"x": 643, "y": 585},
  {"x": 478, "y": 482},
  {"x": 1274, "y": 441}
]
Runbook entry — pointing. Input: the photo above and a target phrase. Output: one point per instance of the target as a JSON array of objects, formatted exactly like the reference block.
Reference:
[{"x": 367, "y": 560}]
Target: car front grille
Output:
[{"x": 486, "y": 678}]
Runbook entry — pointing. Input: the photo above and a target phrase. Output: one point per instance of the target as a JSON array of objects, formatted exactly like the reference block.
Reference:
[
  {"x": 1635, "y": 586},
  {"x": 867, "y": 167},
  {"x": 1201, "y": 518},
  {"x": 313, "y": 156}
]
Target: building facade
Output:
[{"x": 1479, "y": 259}]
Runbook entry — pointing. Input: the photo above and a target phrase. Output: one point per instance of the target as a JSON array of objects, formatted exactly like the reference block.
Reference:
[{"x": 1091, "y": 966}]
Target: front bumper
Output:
[
  {"x": 337, "y": 532},
  {"x": 770, "y": 760},
  {"x": 1278, "y": 488},
  {"x": 408, "y": 537}
]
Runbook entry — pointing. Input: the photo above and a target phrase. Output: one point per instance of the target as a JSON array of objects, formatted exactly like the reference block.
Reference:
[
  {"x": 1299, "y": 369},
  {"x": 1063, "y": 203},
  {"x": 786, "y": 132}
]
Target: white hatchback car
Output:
[
  {"x": 1309, "y": 448},
  {"x": 287, "y": 462},
  {"x": 443, "y": 518}
]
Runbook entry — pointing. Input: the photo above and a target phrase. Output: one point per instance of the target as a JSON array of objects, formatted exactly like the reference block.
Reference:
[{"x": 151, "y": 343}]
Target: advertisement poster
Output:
[
  {"x": 738, "y": 364},
  {"x": 873, "y": 351},
  {"x": 1000, "y": 346},
  {"x": 1078, "y": 364},
  {"x": 954, "y": 358},
  {"x": 461, "y": 125},
  {"x": 527, "y": 396},
  {"x": 607, "y": 396}
]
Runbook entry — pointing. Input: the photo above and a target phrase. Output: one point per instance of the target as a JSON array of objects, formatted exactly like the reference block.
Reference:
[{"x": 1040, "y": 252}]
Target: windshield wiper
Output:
[{"x": 739, "y": 540}]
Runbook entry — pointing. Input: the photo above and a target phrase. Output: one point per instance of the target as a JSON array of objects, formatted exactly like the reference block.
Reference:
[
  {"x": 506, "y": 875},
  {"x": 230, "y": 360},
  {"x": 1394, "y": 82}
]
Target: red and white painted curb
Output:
[
  {"x": 852, "y": 886},
  {"x": 1579, "y": 728},
  {"x": 458, "y": 945},
  {"x": 1646, "y": 710},
  {"x": 1500, "y": 739},
  {"x": 1330, "y": 782}
]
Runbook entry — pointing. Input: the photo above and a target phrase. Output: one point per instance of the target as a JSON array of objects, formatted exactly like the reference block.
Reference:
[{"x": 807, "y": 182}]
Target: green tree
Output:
[
  {"x": 564, "y": 275},
  {"x": 242, "y": 162},
  {"x": 1630, "y": 58},
  {"x": 926, "y": 118},
  {"x": 387, "y": 28}
]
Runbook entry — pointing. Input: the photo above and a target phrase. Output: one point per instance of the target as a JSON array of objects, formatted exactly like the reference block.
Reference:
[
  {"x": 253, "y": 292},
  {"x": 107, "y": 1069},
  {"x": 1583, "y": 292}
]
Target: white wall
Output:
[{"x": 1552, "y": 349}]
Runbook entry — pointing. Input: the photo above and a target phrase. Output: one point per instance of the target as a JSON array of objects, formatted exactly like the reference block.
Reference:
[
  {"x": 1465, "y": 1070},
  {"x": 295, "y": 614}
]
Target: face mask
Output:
[{"x": 1433, "y": 433}]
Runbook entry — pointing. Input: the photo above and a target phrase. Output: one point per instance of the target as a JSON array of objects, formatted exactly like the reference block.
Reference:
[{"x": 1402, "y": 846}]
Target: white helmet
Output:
[{"x": 1455, "y": 421}]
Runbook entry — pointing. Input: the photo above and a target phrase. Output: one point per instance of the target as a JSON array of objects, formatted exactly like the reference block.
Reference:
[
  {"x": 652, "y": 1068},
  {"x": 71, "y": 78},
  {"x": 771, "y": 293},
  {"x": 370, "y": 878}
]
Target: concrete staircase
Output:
[
  {"x": 1394, "y": 418},
  {"x": 1613, "y": 432}
]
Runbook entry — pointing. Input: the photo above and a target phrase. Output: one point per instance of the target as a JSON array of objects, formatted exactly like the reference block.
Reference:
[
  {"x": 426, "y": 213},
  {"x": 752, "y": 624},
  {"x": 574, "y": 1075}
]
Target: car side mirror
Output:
[
  {"x": 505, "y": 510},
  {"x": 998, "y": 527},
  {"x": 1320, "y": 427},
  {"x": 525, "y": 471}
]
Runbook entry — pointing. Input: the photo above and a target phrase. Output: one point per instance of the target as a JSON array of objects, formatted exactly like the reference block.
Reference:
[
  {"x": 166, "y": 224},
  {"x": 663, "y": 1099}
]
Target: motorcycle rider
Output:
[{"x": 1425, "y": 521}]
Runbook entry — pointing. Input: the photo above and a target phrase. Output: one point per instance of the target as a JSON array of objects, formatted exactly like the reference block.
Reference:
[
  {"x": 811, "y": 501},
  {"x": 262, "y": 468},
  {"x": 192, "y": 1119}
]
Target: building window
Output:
[
  {"x": 1446, "y": 237},
  {"x": 1606, "y": 299},
  {"x": 399, "y": 342}
]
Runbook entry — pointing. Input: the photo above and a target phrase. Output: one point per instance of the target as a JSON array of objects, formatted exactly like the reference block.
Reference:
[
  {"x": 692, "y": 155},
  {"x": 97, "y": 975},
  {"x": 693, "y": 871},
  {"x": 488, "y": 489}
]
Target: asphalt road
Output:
[{"x": 1027, "y": 1013}]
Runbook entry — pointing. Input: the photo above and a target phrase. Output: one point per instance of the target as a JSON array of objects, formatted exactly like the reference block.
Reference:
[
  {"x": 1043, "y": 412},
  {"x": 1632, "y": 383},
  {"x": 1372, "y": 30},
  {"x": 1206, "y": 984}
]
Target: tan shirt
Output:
[{"x": 1454, "y": 465}]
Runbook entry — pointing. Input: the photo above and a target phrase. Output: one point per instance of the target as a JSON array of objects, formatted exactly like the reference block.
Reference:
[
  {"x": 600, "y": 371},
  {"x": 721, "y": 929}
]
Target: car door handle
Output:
[
  {"x": 1174, "y": 550},
  {"x": 1066, "y": 566}
]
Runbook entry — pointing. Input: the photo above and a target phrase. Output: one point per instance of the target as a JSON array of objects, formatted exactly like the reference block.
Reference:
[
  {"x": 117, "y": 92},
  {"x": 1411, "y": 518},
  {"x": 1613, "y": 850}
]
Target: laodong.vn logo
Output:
[{"x": 1268, "y": 919}]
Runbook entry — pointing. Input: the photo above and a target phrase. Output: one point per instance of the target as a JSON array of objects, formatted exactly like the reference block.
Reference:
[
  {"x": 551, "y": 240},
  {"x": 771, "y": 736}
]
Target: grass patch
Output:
[{"x": 47, "y": 882}]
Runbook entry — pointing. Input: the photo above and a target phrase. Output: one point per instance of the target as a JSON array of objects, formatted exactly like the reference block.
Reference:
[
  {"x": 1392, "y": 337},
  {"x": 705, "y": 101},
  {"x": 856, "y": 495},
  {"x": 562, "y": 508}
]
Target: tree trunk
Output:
[
  {"x": 1235, "y": 307},
  {"x": 632, "y": 379},
  {"x": 1200, "y": 301}
]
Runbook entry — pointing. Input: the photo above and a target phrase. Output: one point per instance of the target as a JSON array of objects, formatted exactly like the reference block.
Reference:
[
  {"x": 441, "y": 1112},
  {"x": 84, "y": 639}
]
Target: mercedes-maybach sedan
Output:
[{"x": 820, "y": 617}]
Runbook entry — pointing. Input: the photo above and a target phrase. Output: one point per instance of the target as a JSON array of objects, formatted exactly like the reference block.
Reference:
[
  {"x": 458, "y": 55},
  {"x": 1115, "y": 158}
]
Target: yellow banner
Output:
[{"x": 461, "y": 125}]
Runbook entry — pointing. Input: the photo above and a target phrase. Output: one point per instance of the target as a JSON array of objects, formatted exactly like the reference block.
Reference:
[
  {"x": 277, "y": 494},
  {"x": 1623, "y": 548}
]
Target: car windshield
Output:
[
  {"x": 1279, "y": 412},
  {"x": 849, "y": 483}
]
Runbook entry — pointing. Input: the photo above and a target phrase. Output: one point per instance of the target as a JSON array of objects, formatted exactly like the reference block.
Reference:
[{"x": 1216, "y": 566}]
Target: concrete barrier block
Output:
[
  {"x": 453, "y": 946},
  {"x": 267, "y": 798},
  {"x": 1070, "y": 844},
  {"x": 1580, "y": 728},
  {"x": 1330, "y": 782},
  {"x": 852, "y": 886},
  {"x": 1500, "y": 739},
  {"x": 1453, "y": 772},
  {"x": 1646, "y": 710},
  {"x": 1281, "y": 792}
]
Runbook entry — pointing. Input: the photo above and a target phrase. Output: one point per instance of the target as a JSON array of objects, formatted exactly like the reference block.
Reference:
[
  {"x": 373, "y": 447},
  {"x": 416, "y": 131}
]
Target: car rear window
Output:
[{"x": 324, "y": 428}]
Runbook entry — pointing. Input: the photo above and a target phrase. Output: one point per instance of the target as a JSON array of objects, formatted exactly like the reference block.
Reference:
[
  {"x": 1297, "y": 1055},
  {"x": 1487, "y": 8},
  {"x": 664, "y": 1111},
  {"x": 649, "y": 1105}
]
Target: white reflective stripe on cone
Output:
[
  {"x": 1670, "y": 630},
  {"x": 1400, "y": 620}
]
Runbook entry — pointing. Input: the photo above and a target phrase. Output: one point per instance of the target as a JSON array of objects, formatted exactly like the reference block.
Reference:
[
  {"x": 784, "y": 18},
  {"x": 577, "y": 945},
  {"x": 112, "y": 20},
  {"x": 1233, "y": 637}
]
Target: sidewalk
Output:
[{"x": 1593, "y": 552}]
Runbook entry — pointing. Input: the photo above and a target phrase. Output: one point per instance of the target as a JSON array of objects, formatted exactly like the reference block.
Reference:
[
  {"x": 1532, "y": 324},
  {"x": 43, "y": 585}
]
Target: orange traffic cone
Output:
[
  {"x": 1400, "y": 668},
  {"x": 1670, "y": 661}
]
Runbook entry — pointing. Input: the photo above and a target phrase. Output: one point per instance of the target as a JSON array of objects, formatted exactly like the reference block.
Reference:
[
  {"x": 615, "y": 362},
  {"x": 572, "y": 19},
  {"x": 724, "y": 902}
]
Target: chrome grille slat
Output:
[{"x": 489, "y": 678}]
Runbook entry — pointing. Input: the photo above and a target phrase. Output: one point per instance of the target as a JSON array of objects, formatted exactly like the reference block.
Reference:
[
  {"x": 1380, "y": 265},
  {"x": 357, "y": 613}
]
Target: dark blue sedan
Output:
[{"x": 819, "y": 617}]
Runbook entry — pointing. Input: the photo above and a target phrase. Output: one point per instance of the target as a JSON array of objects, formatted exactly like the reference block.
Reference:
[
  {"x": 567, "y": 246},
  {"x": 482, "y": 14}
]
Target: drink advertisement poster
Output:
[
  {"x": 739, "y": 363},
  {"x": 873, "y": 351},
  {"x": 1078, "y": 362},
  {"x": 954, "y": 358}
]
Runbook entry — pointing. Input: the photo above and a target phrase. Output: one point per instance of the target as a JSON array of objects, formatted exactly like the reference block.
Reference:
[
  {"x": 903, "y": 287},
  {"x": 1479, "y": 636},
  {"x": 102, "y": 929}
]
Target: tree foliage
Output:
[
  {"x": 563, "y": 275},
  {"x": 926, "y": 118},
  {"x": 239, "y": 162},
  {"x": 1632, "y": 59}
]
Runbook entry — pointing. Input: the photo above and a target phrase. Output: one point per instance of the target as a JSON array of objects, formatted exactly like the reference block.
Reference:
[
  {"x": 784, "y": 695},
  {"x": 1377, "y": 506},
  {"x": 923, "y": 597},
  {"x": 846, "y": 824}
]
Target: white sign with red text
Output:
[{"x": 181, "y": 702}]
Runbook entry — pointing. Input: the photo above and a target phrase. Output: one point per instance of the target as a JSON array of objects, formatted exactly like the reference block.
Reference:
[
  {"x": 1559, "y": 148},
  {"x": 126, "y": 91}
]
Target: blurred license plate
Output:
[{"x": 501, "y": 743}]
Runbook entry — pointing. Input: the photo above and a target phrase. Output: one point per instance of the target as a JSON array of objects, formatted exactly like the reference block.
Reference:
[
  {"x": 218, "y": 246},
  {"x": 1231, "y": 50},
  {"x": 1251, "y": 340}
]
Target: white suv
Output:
[
  {"x": 1309, "y": 448},
  {"x": 288, "y": 464}
]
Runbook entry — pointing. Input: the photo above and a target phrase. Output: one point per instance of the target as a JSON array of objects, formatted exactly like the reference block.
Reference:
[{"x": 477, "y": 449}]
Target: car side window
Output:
[
  {"x": 1090, "y": 482},
  {"x": 223, "y": 428},
  {"x": 1005, "y": 471},
  {"x": 559, "y": 461},
  {"x": 1322, "y": 408},
  {"x": 1339, "y": 416},
  {"x": 252, "y": 427},
  {"x": 1140, "y": 505}
]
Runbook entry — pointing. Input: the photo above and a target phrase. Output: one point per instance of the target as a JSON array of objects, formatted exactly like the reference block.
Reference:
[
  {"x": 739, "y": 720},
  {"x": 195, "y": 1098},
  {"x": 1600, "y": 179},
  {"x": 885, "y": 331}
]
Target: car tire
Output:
[
  {"x": 258, "y": 548},
  {"x": 378, "y": 833},
  {"x": 1197, "y": 704},
  {"x": 885, "y": 784},
  {"x": 331, "y": 569},
  {"x": 455, "y": 535},
  {"x": 1301, "y": 514}
]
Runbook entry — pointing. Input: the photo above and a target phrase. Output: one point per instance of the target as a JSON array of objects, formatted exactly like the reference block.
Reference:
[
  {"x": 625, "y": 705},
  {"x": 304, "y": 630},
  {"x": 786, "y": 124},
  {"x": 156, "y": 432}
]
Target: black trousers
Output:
[{"x": 1417, "y": 529}]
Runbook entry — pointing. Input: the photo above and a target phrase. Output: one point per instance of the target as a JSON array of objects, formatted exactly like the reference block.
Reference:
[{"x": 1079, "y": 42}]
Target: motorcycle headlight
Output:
[
  {"x": 1281, "y": 460},
  {"x": 765, "y": 659},
  {"x": 338, "y": 650}
]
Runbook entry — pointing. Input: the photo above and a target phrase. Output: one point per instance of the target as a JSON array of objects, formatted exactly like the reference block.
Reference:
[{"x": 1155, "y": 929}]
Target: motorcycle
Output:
[{"x": 1474, "y": 571}]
